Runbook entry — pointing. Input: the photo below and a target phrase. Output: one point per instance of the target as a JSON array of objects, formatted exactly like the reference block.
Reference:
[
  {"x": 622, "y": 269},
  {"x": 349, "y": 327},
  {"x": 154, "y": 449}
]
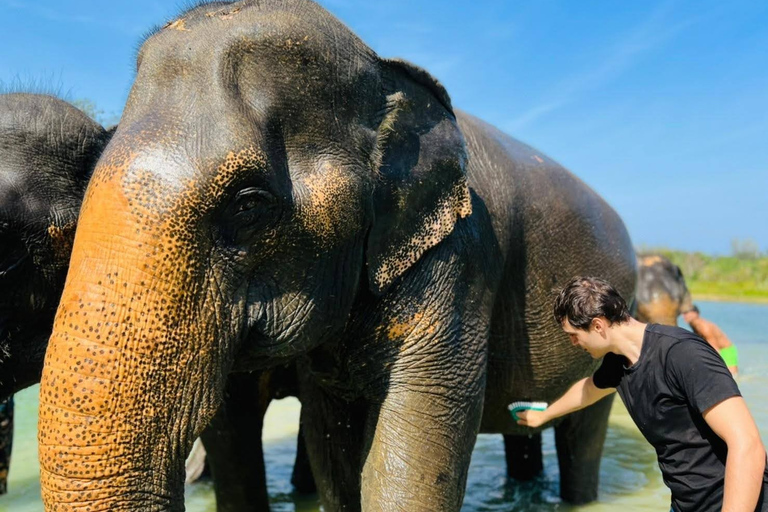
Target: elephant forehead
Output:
[{"x": 294, "y": 42}]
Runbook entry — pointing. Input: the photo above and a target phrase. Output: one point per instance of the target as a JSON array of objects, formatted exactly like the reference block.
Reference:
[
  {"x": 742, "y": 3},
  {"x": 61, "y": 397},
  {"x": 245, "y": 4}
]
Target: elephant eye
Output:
[{"x": 251, "y": 199}]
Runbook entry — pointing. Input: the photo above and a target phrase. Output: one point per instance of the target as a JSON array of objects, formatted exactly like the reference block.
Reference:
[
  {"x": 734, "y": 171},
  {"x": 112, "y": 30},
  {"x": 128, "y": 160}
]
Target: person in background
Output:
[
  {"x": 715, "y": 337},
  {"x": 677, "y": 390}
]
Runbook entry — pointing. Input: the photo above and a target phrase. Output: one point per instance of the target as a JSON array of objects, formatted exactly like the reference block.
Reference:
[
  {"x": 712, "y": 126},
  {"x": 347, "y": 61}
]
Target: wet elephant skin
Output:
[{"x": 276, "y": 193}]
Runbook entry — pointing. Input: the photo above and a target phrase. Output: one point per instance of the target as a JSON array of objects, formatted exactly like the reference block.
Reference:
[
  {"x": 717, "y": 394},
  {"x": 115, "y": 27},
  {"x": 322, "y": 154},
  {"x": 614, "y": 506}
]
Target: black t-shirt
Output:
[{"x": 677, "y": 377}]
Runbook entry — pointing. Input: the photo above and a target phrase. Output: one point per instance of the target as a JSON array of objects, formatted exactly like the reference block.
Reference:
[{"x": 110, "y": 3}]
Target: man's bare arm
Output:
[
  {"x": 582, "y": 394},
  {"x": 744, "y": 466}
]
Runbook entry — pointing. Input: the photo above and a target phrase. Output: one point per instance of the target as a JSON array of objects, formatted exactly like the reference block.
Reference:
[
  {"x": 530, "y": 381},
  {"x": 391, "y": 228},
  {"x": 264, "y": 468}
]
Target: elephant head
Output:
[
  {"x": 268, "y": 171},
  {"x": 48, "y": 149},
  {"x": 661, "y": 291}
]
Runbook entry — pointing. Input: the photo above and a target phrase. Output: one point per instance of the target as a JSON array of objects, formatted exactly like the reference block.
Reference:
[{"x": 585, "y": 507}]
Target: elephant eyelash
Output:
[{"x": 251, "y": 198}]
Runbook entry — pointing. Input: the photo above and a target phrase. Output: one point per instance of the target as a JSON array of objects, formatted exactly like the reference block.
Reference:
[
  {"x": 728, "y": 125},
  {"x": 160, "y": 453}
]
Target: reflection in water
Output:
[{"x": 629, "y": 476}]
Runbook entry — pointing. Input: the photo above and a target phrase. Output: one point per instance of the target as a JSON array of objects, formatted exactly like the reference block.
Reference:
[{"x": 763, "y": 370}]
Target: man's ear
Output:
[{"x": 420, "y": 158}]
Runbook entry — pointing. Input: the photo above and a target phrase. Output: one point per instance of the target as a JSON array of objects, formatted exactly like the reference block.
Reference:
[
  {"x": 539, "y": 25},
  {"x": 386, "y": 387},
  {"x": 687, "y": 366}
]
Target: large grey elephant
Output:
[
  {"x": 48, "y": 149},
  {"x": 277, "y": 192}
]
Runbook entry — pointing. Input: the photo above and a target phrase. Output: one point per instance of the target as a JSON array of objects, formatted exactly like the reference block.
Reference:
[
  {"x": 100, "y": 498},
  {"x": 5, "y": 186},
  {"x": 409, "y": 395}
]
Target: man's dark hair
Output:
[{"x": 585, "y": 298}]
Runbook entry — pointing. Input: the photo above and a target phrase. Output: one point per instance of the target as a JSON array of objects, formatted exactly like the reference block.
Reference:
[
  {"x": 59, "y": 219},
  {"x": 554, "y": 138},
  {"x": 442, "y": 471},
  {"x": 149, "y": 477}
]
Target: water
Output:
[{"x": 629, "y": 476}]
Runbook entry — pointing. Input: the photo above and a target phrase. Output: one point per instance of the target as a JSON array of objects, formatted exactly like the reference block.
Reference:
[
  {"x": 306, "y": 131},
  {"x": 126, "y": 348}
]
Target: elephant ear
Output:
[{"x": 421, "y": 189}]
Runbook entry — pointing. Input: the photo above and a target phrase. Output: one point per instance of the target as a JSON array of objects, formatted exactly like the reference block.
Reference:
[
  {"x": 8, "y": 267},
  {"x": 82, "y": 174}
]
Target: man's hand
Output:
[{"x": 531, "y": 418}]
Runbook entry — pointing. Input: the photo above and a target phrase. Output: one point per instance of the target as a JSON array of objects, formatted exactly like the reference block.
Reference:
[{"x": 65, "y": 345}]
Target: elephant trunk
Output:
[
  {"x": 686, "y": 303},
  {"x": 129, "y": 371}
]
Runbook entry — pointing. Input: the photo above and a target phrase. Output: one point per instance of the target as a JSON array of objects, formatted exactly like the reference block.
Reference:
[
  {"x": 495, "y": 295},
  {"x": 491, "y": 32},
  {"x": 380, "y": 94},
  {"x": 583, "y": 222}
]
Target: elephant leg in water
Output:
[
  {"x": 6, "y": 441},
  {"x": 579, "y": 442},
  {"x": 233, "y": 441},
  {"x": 523, "y": 456},
  {"x": 233, "y": 445},
  {"x": 302, "y": 479}
]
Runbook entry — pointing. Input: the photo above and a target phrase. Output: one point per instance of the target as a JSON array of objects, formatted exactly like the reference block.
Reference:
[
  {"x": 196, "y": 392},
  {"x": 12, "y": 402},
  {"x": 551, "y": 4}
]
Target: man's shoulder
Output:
[
  {"x": 673, "y": 333},
  {"x": 675, "y": 344},
  {"x": 669, "y": 336}
]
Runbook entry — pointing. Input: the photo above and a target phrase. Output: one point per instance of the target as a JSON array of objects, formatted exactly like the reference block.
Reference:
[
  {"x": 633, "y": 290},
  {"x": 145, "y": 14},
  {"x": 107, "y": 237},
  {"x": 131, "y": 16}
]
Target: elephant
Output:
[
  {"x": 48, "y": 149},
  {"x": 662, "y": 294},
  {"x": 278, "y": 193}
]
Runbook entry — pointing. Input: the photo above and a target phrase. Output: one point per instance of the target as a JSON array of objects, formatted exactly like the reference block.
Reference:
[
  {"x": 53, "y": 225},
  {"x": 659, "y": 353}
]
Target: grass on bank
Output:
[{"x": 736, "y": 278}]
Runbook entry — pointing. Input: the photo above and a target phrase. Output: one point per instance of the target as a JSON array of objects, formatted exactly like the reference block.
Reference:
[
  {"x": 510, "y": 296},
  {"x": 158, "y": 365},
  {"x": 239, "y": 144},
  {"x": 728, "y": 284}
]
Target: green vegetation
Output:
[{"x": 740, "y": 277}]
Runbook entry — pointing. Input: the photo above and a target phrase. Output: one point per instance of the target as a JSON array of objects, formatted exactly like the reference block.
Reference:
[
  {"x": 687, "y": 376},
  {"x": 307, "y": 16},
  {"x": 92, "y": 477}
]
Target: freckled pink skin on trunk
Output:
[{"x": 122, "y": 379}]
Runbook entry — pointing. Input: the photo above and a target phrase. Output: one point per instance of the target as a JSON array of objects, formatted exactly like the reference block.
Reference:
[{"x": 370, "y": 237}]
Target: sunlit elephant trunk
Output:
[{"x": 129, "y": 372}]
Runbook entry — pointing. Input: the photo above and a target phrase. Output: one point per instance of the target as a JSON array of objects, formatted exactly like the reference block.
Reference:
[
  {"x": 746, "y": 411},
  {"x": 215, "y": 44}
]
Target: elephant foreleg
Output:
[
  {"x": 420, "y": 454},
  {"x": 579, "y": 440},
  {"x": 523, "y": 454},
  {"x": 232, "y": 441}
]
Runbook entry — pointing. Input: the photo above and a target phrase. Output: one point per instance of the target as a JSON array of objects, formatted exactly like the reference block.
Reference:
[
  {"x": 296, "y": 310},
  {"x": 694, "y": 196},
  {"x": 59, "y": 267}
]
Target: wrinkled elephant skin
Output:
[
  {"x": 48, "y": 149},
  {"x": 277, "y": 192}
]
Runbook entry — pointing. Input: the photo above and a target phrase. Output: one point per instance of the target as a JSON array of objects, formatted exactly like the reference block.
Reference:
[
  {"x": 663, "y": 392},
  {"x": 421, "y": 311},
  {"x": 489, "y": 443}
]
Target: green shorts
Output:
[{"x": 730, "y": 355}]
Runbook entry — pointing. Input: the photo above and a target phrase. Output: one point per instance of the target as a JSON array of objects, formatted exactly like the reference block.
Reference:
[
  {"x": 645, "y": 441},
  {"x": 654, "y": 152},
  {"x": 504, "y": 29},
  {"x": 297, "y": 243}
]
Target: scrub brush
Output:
[{"x": 516, "y": 407}]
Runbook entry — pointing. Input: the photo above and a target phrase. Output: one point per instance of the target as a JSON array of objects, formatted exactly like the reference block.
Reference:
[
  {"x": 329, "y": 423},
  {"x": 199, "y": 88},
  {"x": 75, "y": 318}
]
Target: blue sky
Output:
[{"x": 662, "y": 107}]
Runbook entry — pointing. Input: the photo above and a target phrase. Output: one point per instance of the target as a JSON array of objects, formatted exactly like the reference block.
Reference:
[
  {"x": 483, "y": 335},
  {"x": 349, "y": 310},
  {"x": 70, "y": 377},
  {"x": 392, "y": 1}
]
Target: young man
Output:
[
  {"x": 677, "y": 390},
  {"x": 715, "y": 336}
]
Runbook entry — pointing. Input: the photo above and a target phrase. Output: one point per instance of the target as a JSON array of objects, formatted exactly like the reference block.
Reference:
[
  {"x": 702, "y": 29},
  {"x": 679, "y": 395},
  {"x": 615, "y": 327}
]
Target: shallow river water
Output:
[{"x": 629, "y": 477}]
